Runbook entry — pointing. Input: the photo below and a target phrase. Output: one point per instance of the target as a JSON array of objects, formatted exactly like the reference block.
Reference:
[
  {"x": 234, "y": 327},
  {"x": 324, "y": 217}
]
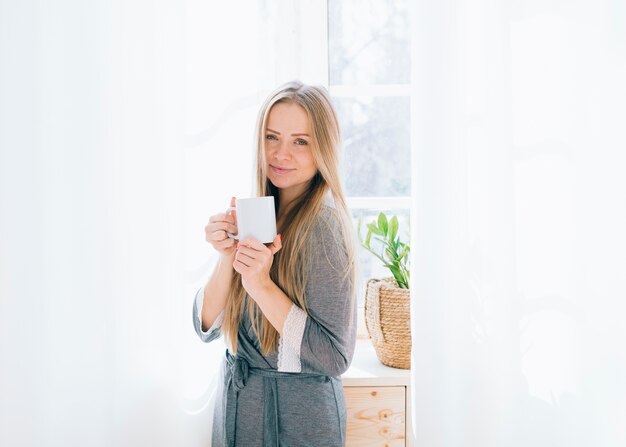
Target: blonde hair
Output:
[{"x": 292, "y": 261}]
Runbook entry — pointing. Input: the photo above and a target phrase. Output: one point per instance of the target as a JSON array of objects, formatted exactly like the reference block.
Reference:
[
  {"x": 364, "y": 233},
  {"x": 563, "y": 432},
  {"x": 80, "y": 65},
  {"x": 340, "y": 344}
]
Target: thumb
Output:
[
  {"x": 233, "y": 203},
  {"x": 277, "y": 244}
]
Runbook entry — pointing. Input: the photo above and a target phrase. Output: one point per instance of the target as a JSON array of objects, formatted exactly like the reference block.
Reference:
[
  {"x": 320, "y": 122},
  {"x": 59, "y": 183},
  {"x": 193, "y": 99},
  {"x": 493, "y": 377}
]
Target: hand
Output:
[
  {"x": 217, "y": 228},
  {"x": 254, "y": 260}
]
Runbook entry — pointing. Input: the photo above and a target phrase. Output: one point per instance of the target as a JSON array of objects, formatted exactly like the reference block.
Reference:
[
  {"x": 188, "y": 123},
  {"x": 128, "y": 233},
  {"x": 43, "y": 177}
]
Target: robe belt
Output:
[{"x": 237, "y": 372}]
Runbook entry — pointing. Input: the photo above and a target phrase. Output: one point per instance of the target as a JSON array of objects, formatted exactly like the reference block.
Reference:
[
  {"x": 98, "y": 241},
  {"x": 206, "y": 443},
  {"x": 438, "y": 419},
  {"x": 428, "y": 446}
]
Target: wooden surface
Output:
[
  {"x": 376, "y": 416},
  {"x": 377, "y": 401}
]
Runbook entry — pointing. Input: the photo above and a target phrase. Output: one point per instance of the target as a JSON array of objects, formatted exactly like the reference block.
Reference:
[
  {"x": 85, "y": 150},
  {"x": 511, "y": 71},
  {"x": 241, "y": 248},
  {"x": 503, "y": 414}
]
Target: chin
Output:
[
  {"x": 280, "y": 184},
  {"x": 275, "y": 182}
]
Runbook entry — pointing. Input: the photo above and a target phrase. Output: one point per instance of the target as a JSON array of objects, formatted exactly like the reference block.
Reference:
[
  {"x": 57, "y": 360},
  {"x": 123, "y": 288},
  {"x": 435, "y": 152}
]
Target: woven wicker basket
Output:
[{"x": 387, "y": 318}]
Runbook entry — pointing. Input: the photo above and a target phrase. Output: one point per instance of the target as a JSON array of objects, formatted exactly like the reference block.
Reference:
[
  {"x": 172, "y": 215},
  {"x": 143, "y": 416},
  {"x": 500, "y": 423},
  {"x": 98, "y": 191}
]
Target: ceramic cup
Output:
[{"x": 256, "y": 217}]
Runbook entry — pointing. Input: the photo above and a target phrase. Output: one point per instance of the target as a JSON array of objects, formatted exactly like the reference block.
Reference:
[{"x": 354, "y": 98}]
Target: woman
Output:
[{"x": 286, "y": 309}]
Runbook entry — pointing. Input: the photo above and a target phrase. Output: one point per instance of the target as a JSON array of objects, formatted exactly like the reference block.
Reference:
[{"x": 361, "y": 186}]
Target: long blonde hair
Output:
[{"x": 291, "y": 263}]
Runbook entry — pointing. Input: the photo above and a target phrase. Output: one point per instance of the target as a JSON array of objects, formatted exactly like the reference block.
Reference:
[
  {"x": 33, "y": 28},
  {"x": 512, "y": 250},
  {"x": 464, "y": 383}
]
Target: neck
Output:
[
  {"x": 286, "y": 198},
  {"x": 284, "y": 205}
]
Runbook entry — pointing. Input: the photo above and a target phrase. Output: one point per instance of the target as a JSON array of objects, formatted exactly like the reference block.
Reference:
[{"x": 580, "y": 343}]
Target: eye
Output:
[
  {"x": 271, "y": 137},
  {"x": 301, "y": 142}
]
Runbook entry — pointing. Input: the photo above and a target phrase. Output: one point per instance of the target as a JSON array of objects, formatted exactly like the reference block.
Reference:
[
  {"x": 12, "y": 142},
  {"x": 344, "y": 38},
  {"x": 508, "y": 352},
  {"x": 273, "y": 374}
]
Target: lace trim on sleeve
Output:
[{"x": 291, "y": 340}]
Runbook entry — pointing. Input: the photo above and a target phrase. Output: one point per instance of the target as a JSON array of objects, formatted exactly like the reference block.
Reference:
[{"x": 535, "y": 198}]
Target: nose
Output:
[{"x": 282, "y": 151}]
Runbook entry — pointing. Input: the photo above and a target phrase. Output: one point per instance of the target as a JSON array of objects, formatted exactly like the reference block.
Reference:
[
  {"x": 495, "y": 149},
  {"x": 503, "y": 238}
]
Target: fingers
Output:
[
  {"x": 224, "y": 244},
  {"x": 221, "y": 228},
  {"x": 250, "y": 253},
  {"x": 218, "y": 228},
  {"x": 247, "y": 260},
  {"x": 216, "y": 236},
  {"x": 253, "y": 244},
  {"x": 223, "y": 217},
  {"x": 240, "y": 267},
  {"x": 277, "y": 244},
  {"x": 253, "y": 257},
  {"x": 242, "y": 259}
]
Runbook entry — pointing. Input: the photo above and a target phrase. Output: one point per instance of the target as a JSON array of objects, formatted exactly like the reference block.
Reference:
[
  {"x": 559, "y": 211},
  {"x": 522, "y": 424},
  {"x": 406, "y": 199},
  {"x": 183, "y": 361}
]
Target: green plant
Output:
[{"x": 394, "y": 254}]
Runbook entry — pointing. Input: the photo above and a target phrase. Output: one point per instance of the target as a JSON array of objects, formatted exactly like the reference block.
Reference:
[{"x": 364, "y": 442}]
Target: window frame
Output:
[{"x": 402, "y": 203}]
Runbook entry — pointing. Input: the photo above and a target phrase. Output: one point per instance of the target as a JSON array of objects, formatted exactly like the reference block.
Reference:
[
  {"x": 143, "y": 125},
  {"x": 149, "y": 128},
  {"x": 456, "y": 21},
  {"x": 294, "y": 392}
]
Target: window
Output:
[{"x": 369, "y": 61}]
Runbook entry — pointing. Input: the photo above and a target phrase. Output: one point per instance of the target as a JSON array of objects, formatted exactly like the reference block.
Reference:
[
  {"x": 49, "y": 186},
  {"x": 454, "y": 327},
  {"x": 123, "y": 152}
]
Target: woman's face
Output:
[{"x": 288, "y": 149}]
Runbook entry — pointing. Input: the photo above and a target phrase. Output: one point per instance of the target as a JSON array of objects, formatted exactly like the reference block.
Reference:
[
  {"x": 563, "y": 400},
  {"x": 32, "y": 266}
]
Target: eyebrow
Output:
[{"x": 293, "y": 134}]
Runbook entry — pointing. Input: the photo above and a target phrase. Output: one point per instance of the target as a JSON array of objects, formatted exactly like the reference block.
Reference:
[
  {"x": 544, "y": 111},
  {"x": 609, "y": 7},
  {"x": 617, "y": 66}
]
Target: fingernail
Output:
[{"x": 281, "y": 237}]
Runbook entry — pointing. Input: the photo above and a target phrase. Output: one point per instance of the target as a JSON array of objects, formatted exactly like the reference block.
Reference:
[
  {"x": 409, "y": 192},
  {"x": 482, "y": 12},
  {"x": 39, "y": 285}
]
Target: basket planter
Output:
[{"x": 388, "y": 322}]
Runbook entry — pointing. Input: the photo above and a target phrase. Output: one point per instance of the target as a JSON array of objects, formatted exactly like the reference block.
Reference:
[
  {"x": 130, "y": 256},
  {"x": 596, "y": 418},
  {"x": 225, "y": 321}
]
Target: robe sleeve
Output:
[
  {"x": 214, "y": 331},
  {"x": 323, "y": 341}
]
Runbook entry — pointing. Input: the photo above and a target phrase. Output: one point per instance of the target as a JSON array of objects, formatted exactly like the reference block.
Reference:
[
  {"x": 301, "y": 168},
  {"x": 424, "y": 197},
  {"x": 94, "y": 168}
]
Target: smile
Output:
[{"x": 280, "y": 171}]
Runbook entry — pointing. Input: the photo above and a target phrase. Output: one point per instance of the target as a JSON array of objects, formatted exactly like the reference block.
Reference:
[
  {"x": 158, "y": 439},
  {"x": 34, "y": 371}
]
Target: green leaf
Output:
[
  {"x": 392, "y": 255},
  {"x": 382, "y": 241},
  {"x": 403, "y": 246},
  {"x": 403, "y": 253},
  {"x": 394, "y": 269},
  {"x": 374, "y": 229},
  {"x": 382, "y": 223},
  {"x": 393, "y": 228},
  {"x": 368, "y": 239},
  {"x": 396, "y": 273}
]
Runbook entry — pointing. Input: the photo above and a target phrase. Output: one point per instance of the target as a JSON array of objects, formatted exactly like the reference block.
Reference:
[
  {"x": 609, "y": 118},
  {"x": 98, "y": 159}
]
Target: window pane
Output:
[
  {"x": 376, "y": 144},
  {"x": 369, "y": 42},
  {"x": 370, "y": 266}
]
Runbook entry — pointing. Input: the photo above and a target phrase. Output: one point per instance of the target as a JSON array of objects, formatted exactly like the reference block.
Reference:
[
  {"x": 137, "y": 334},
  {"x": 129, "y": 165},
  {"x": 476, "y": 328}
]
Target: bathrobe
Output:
[{"x": 294, "y": 396}]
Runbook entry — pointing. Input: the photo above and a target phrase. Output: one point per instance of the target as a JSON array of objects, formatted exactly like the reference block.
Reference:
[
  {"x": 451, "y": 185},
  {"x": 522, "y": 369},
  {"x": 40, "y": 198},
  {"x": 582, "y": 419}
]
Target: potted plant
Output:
[{"x": 387, "y": 300}]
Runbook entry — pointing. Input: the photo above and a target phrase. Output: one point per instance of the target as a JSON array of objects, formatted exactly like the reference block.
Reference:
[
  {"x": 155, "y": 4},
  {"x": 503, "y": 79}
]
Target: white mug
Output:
[{"x": 256, "y": 217}]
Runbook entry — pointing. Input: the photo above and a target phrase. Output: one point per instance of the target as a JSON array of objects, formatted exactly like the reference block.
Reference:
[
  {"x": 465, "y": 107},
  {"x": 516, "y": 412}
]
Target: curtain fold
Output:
[
  {"x": 518, "y": 211},
  {"x": 124, "y": 126},
  {"x": 91, "y": 215}
]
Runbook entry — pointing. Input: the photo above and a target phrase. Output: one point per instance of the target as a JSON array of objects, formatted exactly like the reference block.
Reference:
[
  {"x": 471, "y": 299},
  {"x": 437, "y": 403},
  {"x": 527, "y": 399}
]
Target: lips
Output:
[{"x": 278, "y": 170}]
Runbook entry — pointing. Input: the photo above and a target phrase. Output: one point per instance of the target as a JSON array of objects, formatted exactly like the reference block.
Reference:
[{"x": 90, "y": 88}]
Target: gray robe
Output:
[{"x": 293, "y": 397}]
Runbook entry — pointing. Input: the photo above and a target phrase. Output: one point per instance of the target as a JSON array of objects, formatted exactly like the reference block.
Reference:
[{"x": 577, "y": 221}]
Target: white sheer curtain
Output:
[
  {"x": 519, "y": 216},
  {"x": 236, "y": 54},
  {"x": 123, "y": 126}
]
